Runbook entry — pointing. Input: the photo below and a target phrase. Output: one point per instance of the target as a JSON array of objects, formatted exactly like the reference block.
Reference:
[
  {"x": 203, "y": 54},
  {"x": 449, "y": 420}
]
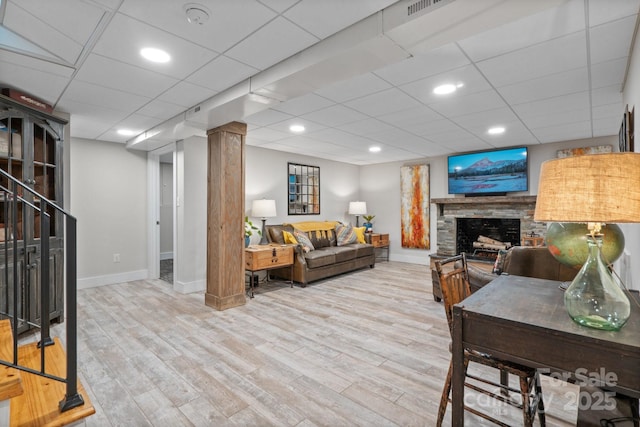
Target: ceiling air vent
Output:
[{"x": 419, "y": 5}]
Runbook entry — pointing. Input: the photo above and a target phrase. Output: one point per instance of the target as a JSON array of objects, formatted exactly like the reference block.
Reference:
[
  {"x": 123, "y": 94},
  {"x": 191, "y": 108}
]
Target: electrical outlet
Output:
[{"x": 116, "y": 257}]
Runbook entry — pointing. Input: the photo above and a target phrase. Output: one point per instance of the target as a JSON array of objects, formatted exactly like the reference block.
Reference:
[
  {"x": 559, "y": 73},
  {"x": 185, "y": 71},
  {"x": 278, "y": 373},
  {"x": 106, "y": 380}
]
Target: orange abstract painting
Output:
[{"x": 414, "y": 210}]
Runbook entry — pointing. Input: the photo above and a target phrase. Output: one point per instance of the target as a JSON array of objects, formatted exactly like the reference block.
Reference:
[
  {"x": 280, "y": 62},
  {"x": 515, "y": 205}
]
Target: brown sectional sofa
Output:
[{"x": 326, "y": 260}]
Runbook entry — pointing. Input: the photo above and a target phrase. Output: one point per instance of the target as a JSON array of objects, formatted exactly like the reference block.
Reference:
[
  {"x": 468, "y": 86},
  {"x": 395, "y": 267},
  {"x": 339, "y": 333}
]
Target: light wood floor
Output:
[{"x": 364, "y": 349}]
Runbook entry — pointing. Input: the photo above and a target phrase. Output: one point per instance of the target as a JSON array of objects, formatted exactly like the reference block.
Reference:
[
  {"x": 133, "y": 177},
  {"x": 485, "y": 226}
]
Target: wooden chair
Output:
[{"x": 454, "y": 281}]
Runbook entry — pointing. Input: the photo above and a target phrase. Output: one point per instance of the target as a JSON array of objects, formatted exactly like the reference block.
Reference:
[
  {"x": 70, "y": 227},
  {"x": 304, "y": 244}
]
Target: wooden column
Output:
[{"x": 225, "y": 216}]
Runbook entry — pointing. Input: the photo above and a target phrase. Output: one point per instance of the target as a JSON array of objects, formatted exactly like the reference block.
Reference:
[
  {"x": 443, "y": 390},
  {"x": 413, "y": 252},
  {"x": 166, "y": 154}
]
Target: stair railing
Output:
[{"x": 15, "y": 229}]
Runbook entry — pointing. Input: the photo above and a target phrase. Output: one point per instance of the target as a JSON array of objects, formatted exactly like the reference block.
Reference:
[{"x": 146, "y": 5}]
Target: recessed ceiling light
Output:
[
  {"x": 155, "y": 55},
  {"x": 497, "y": 130},
  {"x": 126, "y": 132},
  {"x": 374, "y": 149},
  {"x": 296, "y": 128},
  {"x": 447, "y": 88}
]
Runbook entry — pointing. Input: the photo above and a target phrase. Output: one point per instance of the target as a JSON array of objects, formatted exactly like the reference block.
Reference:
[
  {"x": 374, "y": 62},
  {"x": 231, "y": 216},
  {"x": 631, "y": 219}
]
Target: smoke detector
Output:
[{"x": 197, "y": 14}]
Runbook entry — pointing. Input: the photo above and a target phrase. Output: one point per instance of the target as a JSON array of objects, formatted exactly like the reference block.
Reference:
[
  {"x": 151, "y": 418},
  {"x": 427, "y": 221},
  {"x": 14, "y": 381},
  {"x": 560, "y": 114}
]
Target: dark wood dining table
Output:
[{"x": 524, "y": 320}]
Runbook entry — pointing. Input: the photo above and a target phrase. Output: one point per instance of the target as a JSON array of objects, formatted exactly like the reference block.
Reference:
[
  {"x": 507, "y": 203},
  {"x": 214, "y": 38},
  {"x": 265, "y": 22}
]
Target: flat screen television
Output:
[{"x": 494, "y": 172}]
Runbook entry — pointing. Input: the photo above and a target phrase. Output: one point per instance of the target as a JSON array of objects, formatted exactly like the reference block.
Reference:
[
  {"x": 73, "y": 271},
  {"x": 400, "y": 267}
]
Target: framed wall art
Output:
[{"x": 414, "y": 209}]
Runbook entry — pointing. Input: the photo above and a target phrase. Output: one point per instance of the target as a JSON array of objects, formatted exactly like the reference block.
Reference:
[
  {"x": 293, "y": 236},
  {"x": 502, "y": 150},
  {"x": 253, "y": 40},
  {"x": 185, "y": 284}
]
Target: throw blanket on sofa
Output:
[{"x": 323, "y": 229}]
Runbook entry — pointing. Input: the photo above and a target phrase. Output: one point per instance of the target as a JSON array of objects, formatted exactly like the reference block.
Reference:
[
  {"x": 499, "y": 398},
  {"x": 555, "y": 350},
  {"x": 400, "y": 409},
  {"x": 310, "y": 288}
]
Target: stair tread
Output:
[
  {"x": 38, "y": 406},
  {"x": 10, "y": 378}
]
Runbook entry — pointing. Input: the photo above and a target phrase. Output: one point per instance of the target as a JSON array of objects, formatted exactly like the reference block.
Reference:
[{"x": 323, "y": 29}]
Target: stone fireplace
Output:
[{"x": 449, "y": 210}]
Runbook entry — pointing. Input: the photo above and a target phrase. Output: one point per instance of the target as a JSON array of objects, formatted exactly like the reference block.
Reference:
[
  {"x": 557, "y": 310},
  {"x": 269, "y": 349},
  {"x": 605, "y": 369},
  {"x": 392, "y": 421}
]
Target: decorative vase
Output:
[
  {"x": 247, "y": 240},
  {"x": 368, "y": 227},
  {"x": 594, "y": 298}
]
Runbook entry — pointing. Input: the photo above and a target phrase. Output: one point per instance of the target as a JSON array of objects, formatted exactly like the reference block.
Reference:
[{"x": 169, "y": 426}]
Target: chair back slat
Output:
[{"x": 454, "y": 281}]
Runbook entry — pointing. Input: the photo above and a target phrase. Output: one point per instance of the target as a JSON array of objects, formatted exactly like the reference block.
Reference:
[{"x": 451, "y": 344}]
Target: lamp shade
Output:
[
  {"x": 357, "y": 208},
  {"x": 601, "y": 188},
  {"x": 263, "y": 208}
]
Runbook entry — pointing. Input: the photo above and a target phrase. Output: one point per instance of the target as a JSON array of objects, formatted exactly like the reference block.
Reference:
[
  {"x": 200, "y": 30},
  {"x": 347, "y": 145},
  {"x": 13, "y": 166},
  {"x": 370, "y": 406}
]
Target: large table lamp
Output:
[
  {"x": 263, "y": 209},
  {"x": 596, "y": 189},
  {"x": 357, "y": 209}
]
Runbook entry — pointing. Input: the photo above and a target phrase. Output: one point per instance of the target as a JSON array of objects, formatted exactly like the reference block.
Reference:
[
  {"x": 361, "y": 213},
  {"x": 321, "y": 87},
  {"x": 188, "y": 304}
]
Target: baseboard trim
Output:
[
  {"x": 189, "y": 287},
  {"x": 166, "y": 255},
  {"x": 110, "y": 279}
]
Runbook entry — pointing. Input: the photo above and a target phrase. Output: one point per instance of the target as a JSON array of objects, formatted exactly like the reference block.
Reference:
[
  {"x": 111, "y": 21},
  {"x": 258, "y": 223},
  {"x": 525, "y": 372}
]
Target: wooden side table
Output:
[
  {"x": 267, "y": 257},
  {"x": 380, "y": 241}
]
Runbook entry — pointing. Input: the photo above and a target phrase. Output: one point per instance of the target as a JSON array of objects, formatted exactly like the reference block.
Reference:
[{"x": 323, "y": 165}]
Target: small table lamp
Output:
[
  {"x": 357, "y": 209},
  {"x": 593, "y": 189},
  {"x": 263, "y": 209}
]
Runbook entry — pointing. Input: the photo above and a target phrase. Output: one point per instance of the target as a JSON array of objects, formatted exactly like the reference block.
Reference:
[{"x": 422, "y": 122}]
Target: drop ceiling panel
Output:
[
  {"x": 135, "y": 122},
  {"x": 563, "y": 132},
  {"x": 272, "y": 43},
  {"x": 117, "y": 75},
  {"x": 42, "y": 66},
  {"x": 186, "y": 94},
  {"x": 221, "y": 73},
  {"x": 54, "y": 25},
  {"x": 468, "y": 76},
  {"x": 606, "y": 95},
  {"x": 44, "y": 85},
  {"x": 608, "y": 73},
  {"x": 335, "y": 115},
  {"x": 160, "y": 109},
  {"x": 269, "y": 135},
  {"x": 310, "y": 126},
  {"x": 365, "y": 127},
  {"x": 604, "y": 39},
  {"x": 279, "y": 5},
  {"x": 478, "y": 123},
  {"x": 445, "y": 58},
  {"x": 557, "y": 55},
  {"x": 551, "y": 106},
  {"x": 385, "y": 102},
  {"x": 353, "y": 88},
  {"x": 103, "y": 96},
  {"x": 602, "y": 11},
  {"x": 303, "y": 104},
  {"x": 323, "y": 21},
  {"x": 419, "y": 115},
  {"x": 440, "y": 126},
  {"x": 549, "y": 86},
  {"x": 540, "y": 27},
  {"x": 462, "y": 105},
  {"x": 229, "y": 21},
  {"x": 125, "y": 37},
  {"x": 267, "y": 117}
]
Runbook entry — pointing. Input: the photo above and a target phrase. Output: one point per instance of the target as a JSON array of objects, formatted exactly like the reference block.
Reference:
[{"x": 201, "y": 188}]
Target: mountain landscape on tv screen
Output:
[{"x": 487, "y": 176}]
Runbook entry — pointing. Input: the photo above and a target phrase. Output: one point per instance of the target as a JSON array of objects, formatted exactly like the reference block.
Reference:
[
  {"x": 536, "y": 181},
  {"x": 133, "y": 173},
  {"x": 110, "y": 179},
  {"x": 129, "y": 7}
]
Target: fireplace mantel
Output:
[{"x": 485, "y": 199}]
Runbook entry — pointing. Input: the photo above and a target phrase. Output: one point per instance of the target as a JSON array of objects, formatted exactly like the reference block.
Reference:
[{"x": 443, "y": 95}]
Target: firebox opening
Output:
[{"x": 489, "y": 234}]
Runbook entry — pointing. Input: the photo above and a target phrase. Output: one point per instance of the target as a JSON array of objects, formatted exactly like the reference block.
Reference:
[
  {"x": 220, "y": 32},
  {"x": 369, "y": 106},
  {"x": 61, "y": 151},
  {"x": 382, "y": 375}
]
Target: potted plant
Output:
[
  {"x": 248, "y": 230},
  {"x": 368, "y": 226}
]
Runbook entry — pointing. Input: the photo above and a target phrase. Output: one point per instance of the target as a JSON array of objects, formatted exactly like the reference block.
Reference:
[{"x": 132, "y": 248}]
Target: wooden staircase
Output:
[{"x": 33, "y": 398}]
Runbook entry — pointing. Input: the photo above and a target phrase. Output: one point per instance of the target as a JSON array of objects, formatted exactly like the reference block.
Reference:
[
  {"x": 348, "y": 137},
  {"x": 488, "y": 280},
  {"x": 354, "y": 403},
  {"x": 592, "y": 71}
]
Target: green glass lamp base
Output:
[{"x": 594, "y": 299}]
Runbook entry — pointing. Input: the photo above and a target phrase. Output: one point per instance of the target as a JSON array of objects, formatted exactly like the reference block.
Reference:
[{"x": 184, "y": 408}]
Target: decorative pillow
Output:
[
  {"x": 499, "y": 264},
  {"x": 345, "y": 234},
  {"x": 303, "y": 239},
  {"x": 288, "y": 238},
  {"x": 360, "y": 234}
]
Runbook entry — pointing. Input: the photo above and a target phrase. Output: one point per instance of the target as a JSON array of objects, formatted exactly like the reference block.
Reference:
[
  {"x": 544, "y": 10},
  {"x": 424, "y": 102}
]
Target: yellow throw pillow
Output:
[
  {"x": 360, "y": 234},
  {"x": 288, "y": 238}
]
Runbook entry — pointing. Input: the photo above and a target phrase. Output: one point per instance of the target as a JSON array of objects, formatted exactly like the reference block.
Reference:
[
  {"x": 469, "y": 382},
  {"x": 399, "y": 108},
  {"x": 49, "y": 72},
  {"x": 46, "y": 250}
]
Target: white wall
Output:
[
  {"x": 380, "y": 188},
  {"x": 631, "y": 96},
  {"x": 108, "y": 187},
  {"x": 266, "y": 177}
]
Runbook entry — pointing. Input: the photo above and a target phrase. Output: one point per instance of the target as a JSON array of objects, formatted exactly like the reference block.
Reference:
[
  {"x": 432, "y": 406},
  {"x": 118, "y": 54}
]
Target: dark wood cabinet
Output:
[{"x": 31, "y": 144}]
